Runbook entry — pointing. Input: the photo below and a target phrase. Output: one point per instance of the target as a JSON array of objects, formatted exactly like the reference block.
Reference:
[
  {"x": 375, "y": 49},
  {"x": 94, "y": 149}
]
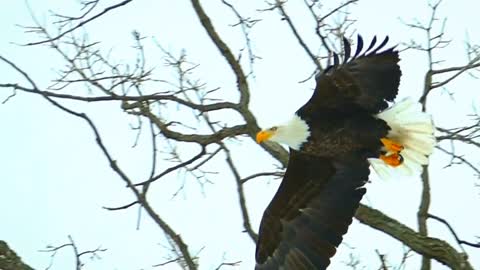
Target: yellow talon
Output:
[
  {"x": 392, "y": 146},
  {"x": 393, "y": 160}
]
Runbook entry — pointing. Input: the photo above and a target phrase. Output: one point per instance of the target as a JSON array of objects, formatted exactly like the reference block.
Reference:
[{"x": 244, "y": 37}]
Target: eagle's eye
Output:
[{"x": 273, "y": 128}]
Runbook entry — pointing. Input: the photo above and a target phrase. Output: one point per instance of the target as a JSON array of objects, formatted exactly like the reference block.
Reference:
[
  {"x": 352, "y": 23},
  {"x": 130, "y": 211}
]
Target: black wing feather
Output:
[
  {"x": 310, "y": 212},
  {"x": 372, "y": 44},
  {"x": 367, "y": 81},
  {"x": 336, "y": 60},
  {"x": 347, "y": 50},
  {"x": 379, "y": 47},
  {"x": 359, "y": 46}
]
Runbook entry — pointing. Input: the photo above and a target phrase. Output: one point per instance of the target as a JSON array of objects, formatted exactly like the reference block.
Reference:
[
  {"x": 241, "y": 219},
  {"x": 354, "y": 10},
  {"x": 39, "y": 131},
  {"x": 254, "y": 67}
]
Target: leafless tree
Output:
[{"x": 211, "y": 122}]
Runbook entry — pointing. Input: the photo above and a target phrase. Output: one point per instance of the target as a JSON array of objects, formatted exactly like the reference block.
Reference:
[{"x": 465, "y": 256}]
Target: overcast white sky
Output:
[{"x": 54, "y": 179}]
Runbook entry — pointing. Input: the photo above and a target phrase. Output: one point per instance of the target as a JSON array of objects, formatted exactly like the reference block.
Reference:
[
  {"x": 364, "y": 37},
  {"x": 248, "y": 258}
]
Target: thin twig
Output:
[
  {"x": 459, "y": 241},
  {"x": 80, "y": 24}
]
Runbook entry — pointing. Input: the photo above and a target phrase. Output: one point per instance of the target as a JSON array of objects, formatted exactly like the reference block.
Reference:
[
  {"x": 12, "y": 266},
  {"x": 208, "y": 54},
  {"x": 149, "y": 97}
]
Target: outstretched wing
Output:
[
  {"x": 310, "y": 212},
  {"x": 367, "y": 79}
]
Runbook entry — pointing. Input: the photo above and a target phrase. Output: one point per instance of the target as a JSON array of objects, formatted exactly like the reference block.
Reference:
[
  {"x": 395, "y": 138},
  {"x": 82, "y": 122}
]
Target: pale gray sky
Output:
[{"x": 55, "y": 180}]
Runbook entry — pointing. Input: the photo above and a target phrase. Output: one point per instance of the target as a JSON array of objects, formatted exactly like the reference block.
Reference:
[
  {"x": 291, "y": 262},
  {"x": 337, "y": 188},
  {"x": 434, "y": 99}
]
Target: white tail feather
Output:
[{"x": 413, "y": 129}]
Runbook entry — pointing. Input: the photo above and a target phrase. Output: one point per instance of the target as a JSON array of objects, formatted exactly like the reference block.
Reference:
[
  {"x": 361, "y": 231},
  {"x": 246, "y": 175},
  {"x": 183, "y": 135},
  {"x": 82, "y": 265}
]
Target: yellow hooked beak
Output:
[{"x": 264, "y": 135}]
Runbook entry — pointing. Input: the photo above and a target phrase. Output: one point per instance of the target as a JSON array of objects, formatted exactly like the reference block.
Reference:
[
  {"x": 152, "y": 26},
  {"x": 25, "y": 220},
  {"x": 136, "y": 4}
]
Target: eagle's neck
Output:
[{"x": 294, "y": 133}]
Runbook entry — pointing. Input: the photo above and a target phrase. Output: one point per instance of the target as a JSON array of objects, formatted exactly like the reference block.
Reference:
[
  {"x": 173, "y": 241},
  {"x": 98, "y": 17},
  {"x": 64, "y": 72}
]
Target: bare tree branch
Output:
[
  {"x": 427, "y": 246},
  {"x": 242, "y": 83},
  {"x": 383, "y": 260},
  {"x": 123, "y": 207},
  {"x": 78, "y": 254},
  {"x": 278, "y": 175},
  {"x": 279, "y": 4},
  {"x": 246, "y": 25},
  {"x": 81, "y": 23},
  {"x": 241, "y": 194},
  {"x": 125, "y": 105},
  {"x": 467, "y": 134},
  {"x": 458, "y": 159},
  {"x": 459, "y": 241},
  {"x": 237, "y": 263}
]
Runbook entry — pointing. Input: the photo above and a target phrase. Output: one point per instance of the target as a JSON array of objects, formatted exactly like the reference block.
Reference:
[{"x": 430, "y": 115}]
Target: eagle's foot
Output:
[
  {"x": 393, "y": 160},
  {"x": 391, "y": 146}
]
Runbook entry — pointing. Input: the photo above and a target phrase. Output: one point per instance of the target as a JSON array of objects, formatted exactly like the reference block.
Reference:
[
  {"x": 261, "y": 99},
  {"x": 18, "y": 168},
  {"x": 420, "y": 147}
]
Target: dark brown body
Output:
[{"x": 336, "y": 134}]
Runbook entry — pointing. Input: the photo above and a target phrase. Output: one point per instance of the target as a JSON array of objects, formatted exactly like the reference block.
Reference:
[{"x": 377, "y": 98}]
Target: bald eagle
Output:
[{"x": 346, "y": 126}]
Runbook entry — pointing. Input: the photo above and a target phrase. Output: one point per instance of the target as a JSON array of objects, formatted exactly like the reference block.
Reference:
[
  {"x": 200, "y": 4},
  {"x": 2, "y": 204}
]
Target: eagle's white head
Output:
[{"x": 293, "y": 133}]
